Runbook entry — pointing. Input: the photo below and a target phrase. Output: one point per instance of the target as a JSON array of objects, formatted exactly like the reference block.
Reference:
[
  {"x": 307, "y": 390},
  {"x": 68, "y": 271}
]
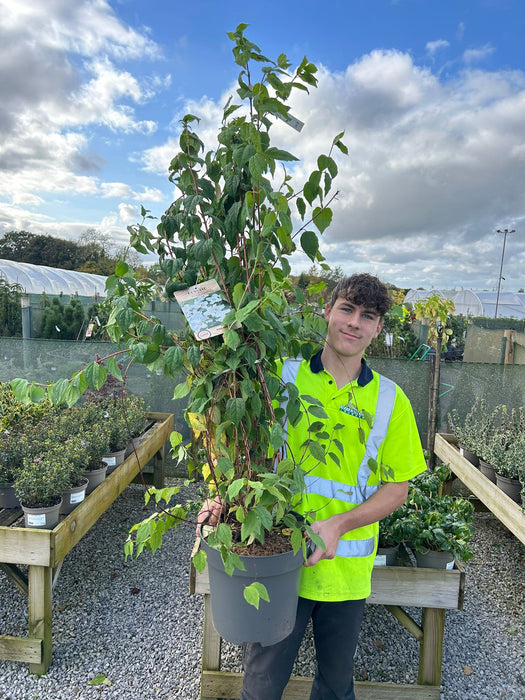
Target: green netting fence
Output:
[{"x": 461, "y": 382}]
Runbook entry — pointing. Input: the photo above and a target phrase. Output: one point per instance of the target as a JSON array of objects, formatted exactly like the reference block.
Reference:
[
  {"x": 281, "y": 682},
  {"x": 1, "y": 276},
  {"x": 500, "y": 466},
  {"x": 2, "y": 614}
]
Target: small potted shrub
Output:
[
  {"x": 14, "y": 448},
  {"x": 85, "y": 434},
  {"x": 390, "y": 537},
  {"x": 507, "y": 450},
  {"x": 134, "y": 409},
  {"x": 468, "y": 430},
  {"x": 436, "y": 527},
  {"x": 40, "y": 484}
]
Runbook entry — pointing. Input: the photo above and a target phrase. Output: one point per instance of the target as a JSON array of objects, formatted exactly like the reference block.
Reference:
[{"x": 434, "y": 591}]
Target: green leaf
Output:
[
  {"x": 254, "y": 593},
  {"x": 231, "y": 338},
  {"x": 236, "y": 409},
  {"x": 310, "y": 244},
  {"x": 36, "y": 393},
  {"x": 99, "y": 679},
  {"x": 257, "y": 165},
  {"x": 113, "y": 368},
  {"x": 317, "y": 451},
  {"x": 301, "y": 207},
  {"x": 173, "y": 359},
  {"x": 194, "y": 355},
  {"x": 20, "y": 389},
  {"x": 181, "y": 390},
  {"x": 318, "y": 412},
  {"x": 243, "y": 313},
  {"x": 278, "y": 154},
  {"x": 124, "y": 319},
  {"x": 322, "y": 218},
  {"x": 276, "y": 436},
  {"x": 57, "y": 391},
  {"x": 199, "y": 560},
  {"x": 327, "y": 163},
  {"x": 95, "y": 375}
]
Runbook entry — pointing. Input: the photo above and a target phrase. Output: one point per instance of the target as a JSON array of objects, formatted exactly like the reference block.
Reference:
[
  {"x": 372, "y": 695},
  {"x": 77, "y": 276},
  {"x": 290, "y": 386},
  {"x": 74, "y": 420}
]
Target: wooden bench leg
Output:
[
  {"x": 40, "y": 613},
  {"x": 211, "y": 644},
  {"x": 431, "y": 648},
  {"x": 159, "y": 465}
]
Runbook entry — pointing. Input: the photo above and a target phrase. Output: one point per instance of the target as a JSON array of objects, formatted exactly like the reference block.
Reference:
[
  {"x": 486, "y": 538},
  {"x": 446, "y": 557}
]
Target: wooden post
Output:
[
  {"x": 434, "y": 396},
  {"x": 431, "y": 649},
  {"x": 211, "y": 644},
  {"x": 159, "y": 465},
  {"x": 40, "y": 614},
  {"x": 510, "y": 339}
]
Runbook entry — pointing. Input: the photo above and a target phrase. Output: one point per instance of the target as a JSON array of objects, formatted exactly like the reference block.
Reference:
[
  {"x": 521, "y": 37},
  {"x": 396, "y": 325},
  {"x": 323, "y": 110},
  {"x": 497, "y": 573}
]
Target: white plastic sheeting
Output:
[
  {"x": 470, "y": 303},
  {"x": 36, "y": 279}
]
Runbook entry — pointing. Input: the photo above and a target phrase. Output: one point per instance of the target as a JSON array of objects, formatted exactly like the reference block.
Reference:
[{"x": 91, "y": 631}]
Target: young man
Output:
[{"x": 349, "y": 499}]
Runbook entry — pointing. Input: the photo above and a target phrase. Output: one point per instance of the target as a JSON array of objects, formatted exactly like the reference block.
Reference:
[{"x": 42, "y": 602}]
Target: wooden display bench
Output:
[
  {"x": 43, "y": 551},
  {"x": 433, "y": 590},
  {"x": 503, "y": 507}
]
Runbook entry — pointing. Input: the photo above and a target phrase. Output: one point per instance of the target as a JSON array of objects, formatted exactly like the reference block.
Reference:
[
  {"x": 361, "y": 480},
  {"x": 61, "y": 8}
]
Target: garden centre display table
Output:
[
  {"x": 43, "y": 551},
  {"x": 433, "y": 590},
  {"x": 503, "y": 507}
]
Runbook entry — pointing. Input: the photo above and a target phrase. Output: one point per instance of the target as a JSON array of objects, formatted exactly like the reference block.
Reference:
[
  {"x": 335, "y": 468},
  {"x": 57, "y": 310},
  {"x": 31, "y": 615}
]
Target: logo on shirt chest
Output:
[{"x": 351, "y": 411}]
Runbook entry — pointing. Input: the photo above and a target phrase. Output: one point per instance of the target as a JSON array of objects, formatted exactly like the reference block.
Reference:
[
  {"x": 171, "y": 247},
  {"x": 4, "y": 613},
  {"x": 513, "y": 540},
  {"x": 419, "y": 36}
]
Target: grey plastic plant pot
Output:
[
  {"x": 434, "y": 560},
  {"x": 236, "y": 620}
]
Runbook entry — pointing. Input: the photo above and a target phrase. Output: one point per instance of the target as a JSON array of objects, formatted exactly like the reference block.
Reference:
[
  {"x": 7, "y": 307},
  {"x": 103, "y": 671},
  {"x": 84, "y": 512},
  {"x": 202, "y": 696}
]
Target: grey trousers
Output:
[{"x": 336, "y": 629}]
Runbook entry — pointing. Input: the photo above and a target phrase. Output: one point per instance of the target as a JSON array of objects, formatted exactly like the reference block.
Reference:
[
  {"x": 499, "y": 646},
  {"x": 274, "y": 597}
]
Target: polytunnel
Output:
[{"x": 39, "y": 279}]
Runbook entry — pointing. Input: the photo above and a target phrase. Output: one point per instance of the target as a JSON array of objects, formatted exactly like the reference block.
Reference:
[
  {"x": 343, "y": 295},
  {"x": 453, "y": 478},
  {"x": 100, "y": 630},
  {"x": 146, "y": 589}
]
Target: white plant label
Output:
[
  {"x": 76, "y": 497},
  {"x": 36, "y": 520}
]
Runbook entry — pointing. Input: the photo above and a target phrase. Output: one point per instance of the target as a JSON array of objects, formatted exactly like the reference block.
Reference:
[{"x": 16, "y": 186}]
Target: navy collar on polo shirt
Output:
[{"x": 365, "y": 376}]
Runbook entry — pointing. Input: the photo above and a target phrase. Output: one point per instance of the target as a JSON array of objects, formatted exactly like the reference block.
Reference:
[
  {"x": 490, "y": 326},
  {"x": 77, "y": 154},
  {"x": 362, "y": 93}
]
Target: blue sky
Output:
[{"x": 430, "y": 94}]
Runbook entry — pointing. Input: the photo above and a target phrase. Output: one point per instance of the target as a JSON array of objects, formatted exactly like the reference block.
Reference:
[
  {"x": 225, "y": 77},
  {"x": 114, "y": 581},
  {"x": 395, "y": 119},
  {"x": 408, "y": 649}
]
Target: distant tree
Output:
[
  {"x": 63, "y": 322},
  {"x": 22, "y": 246},
  {"x": 10, "y": 311},
  {"x": 13, "y": 244}
]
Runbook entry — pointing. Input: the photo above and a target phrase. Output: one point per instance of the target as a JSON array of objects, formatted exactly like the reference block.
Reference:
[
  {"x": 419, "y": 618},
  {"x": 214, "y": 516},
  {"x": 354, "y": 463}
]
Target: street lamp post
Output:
[{"x": 505, "y": 232}]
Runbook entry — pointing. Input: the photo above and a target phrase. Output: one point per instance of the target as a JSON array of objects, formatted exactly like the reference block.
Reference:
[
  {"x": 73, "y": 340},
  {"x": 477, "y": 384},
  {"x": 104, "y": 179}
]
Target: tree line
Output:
[{"x": 93, "y": 252}]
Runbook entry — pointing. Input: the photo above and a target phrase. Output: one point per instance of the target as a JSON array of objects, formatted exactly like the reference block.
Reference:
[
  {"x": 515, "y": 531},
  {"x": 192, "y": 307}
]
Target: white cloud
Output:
[
  {"x": 478, "y": 54},
  {"x": 433, "y": 47},
  {"x": 128, "y": 213}
]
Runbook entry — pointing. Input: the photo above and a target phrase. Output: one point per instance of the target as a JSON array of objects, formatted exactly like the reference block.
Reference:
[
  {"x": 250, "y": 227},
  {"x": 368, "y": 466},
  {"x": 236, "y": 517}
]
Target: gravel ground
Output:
[{"x": 135, "y": 623}]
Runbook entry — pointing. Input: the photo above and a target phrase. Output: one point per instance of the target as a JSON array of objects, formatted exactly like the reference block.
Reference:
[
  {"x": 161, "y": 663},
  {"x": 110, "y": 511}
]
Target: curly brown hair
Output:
[{"x": 363, "y": 290}]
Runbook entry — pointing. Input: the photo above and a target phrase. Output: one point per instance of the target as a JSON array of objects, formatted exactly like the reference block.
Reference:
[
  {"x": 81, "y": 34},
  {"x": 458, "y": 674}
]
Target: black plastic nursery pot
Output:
[{"x": 236, "y": 620}]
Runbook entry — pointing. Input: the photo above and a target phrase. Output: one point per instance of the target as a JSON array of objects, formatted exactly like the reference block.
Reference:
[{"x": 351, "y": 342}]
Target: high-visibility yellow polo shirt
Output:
[{"x": 348, "y": 577}]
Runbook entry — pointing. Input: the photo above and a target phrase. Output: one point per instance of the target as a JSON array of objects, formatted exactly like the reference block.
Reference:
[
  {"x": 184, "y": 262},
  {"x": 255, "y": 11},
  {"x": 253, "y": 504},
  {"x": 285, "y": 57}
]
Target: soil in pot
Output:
[
  {"x": 512, "y": 487},
  {"x": 44, "y": 517},
  {"x": 237, "y": 621}
]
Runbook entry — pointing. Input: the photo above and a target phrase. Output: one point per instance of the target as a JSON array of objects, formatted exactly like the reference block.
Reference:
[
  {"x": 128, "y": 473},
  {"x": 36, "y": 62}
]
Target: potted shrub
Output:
[
  {"x": 470, "y": 430},
  {"x": 40, "y": 484},
  {"x": 436, "y": 527},
  {"x": 507, "y": 451},
  {"x": 134, "y": 410},
  {"x": 390, "y": 537},
  {"x": 14, "y": 448},
  {"x": 231, "y": 229},
  {"x": 85, "y": 435}
]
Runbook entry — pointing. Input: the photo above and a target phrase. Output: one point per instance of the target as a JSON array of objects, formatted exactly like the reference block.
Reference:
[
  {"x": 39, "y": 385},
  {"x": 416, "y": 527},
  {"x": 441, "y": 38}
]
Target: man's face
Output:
[{"x": 351, "y": 328}]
